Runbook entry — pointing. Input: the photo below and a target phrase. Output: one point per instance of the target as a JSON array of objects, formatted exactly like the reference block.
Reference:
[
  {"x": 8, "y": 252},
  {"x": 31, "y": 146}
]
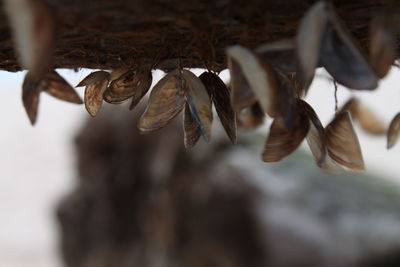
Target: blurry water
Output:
[{"x": 37, "y": 164}]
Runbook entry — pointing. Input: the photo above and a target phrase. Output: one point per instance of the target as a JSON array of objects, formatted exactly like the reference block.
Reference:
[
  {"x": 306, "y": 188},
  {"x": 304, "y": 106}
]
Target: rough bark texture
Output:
[{"x": 108, "y": 34}]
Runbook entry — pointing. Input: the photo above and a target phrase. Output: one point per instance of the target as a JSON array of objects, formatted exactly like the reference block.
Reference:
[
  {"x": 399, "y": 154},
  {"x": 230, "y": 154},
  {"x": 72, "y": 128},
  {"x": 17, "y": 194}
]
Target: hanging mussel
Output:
[{"x": 268, "y": 81}]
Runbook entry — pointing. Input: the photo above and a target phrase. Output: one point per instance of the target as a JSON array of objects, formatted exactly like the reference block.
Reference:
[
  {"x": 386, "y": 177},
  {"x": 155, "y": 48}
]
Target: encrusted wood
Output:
[{"x": 106, "y": 34}]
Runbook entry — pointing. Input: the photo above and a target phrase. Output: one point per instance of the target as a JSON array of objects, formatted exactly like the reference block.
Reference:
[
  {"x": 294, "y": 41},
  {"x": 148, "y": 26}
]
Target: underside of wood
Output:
[{"x": 108, "y": 34}]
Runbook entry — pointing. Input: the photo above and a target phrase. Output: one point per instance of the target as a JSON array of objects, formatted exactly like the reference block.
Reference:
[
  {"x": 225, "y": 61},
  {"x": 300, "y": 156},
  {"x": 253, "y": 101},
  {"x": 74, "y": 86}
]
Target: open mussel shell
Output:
[
  {"x": 166, "y": 101},
  {"x": 256, "y": 73},
  {"x": 142, "y": 88},
  {"x": 130, "y": 84},
  {"x": 366, "y": 118},
  {"x": 95, "y": 85},
  {"x": 94, "y": 77},
  {"x": 383, "y": 49},
  {"x": 191, "y": 129},
  {"x": 281, "y": 142},
  {"x": 343, "y": 145},
  {"x": 271, "y": 87},
  {"x": 316, "y": 135},
  {"x": 251, "y": 117},
  {"x": 30, "y": 96},
  {"x": 344, "y": 62},
  {"x": 284, "y": 103},
  {"x": 55, "y": 85},
  {"x": 51, "y": 83},
  {"x": 199, "y": 103},
  {"x": 33, "y": 29},
  {"x": 242, "y": 95},
  {"x": 308, "y": 42},
  {"x": 323, "y": 40},
  {"x": 394, "y": 131},
  {"x": 279, "y": 54},
  {"x": 220, "y": 96}
]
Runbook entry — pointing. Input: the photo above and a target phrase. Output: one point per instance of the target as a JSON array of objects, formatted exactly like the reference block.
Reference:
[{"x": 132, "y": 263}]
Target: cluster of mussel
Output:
[{"x": 271, "y": 79}]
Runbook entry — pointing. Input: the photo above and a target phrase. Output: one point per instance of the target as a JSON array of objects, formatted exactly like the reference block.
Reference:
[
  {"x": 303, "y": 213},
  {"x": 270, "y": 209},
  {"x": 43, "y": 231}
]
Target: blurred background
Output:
[{"x": 38, "y": 164}]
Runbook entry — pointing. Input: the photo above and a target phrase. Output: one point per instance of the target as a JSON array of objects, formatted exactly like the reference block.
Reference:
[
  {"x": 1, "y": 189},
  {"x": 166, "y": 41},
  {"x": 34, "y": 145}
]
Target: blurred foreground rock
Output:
[{"x": 142, "y": 200}]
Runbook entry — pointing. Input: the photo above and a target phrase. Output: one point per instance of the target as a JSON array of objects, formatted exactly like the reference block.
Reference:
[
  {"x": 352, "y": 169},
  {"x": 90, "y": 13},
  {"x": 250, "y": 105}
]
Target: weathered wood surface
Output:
[{"x": 108, "y": 34}]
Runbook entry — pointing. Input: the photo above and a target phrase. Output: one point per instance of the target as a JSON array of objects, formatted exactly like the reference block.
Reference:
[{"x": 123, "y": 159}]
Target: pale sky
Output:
[{"x": 37, "y": 166}]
